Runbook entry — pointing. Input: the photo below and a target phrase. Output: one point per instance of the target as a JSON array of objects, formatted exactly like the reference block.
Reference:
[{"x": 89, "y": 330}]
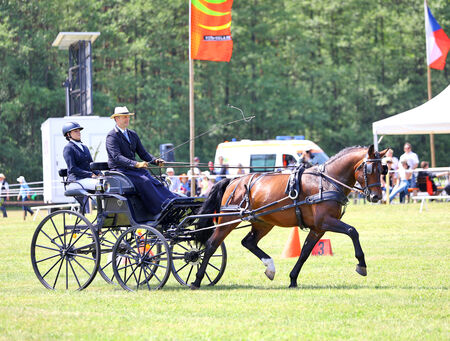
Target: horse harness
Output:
[{"x": 293, "y": 189}]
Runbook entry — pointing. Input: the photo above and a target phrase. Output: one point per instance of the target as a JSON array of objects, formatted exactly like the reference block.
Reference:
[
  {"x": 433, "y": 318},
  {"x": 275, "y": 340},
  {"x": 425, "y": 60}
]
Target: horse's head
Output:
[{"x": 368, "y": 172}]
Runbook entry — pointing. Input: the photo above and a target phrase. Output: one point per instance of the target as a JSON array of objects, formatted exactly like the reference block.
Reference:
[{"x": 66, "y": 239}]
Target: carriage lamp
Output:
[{"x": 102, "y": 186}]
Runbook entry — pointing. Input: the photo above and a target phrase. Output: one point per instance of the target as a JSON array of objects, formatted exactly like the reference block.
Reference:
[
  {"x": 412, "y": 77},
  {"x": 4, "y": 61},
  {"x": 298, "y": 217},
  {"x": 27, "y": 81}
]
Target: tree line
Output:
[{"x": 322, "y": 69}]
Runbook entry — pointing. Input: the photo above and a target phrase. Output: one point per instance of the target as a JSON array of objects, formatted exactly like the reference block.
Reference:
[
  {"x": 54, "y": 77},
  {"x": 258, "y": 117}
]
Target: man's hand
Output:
[
  {"x": 159, "y": 162},
  {"x": 142, "y": 164}
]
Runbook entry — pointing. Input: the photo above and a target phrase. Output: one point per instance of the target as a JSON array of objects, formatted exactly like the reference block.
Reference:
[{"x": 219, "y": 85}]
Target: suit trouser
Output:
[{"x": 152, "y": 192}]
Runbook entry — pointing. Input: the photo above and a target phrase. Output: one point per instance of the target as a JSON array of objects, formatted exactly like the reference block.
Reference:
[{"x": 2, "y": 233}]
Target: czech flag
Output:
[
  {"x": 438, "y": 43},
  {"x": 210, "y": 30}
]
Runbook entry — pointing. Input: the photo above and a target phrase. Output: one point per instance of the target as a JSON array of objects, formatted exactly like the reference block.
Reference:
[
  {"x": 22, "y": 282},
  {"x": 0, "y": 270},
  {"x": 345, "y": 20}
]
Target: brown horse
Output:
[{"x": 322, "y": 194}]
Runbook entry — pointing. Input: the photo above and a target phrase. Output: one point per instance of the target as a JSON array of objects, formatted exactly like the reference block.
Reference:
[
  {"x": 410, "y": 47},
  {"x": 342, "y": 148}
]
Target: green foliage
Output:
[{"x": 322, "y": 69}]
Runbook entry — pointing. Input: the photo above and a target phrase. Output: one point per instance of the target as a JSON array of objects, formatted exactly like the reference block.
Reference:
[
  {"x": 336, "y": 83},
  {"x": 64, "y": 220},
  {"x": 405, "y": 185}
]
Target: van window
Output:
[
  {"x": 262, "y": 162},
  {"x": 288, "y": 160}
]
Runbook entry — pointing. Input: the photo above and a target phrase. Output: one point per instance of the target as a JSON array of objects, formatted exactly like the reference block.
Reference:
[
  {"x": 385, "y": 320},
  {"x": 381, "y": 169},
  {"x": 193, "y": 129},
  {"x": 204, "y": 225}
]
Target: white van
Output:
[{"x": 265, "y": 156}]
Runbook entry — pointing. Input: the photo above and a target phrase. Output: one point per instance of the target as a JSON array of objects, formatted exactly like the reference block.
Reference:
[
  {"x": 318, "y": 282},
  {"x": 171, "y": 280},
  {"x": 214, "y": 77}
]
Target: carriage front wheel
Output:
[
  {"x": 65, "y": 251},
  {"x": 141, "y": 259},
  {"x": 187, "y": 256}
]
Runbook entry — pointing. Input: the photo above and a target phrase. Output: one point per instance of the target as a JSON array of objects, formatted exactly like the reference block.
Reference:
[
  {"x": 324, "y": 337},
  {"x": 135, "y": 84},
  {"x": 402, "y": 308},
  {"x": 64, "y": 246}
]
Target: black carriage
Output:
[{"x": 124, "y": 244}]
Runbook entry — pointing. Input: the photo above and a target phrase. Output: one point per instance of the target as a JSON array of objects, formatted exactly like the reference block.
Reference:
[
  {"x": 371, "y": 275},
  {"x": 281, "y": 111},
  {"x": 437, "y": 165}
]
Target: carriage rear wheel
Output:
[
  {"x": 141, "y": 259},
  {"x": 187, "y": 256},
  {"x": 65, "y": 251}
]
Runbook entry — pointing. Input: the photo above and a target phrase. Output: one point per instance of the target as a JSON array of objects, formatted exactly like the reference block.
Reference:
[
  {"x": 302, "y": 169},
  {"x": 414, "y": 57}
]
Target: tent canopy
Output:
[{"x": 432, "y": 117}]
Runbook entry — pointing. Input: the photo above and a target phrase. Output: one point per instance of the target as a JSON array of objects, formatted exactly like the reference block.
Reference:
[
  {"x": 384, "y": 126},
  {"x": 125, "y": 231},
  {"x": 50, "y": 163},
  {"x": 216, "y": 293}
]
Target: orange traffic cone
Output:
[{"x": 292, "y": 247}]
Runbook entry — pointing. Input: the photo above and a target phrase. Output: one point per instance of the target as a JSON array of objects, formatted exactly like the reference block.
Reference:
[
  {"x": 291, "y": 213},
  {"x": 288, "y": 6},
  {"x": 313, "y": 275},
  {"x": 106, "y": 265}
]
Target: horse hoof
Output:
[
  {"x": 270, "y": 274},
  {"x": 292, "y": 286},
  {"x": 362, "y": 270},
  {"x": 193, "y": 287}
]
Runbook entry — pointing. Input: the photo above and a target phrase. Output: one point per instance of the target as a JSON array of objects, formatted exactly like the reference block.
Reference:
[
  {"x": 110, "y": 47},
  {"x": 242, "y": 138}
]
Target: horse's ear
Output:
[
  {"x": 371, "y": 150},
  {"x": 383, "y": 152}
]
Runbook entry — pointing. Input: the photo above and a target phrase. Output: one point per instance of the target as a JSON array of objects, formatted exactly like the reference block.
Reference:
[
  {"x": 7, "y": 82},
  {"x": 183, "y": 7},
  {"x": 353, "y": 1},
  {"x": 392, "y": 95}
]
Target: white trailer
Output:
[{"x": 93, "y": 135}]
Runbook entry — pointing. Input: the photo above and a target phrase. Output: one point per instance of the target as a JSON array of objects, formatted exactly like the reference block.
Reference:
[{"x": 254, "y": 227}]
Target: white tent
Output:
[{"x": 432, "y": 117}]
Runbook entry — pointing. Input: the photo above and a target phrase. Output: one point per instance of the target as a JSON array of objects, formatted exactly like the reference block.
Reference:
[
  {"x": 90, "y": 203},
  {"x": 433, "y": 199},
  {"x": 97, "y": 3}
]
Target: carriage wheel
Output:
[
  {"x": 107, "y": 238},
  {"x": 65, "y": 251},
  {"x": 141, "y": 259},
  {"x": 187, "y": 257}
]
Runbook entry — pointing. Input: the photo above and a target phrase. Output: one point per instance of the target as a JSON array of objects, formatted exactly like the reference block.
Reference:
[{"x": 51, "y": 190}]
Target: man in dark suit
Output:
[{"x": 122, "y": 144}]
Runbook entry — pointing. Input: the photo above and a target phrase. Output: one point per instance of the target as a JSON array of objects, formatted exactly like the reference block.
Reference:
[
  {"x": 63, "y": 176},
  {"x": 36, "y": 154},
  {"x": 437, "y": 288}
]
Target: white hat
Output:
[
  {"x": 2, "y": 176},
  {"x": 206, "y": 173},
  {"x": 20, "y": 179},
  {"x": 170, "y": 170},
  {"x": 121, "y": 111}
]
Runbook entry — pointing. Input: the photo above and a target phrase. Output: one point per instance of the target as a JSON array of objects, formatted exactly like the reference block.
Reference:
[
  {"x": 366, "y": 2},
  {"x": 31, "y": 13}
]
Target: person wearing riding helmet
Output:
[
  {"x": 78, "y": 159},
  {"x": 122, "y": 145}
]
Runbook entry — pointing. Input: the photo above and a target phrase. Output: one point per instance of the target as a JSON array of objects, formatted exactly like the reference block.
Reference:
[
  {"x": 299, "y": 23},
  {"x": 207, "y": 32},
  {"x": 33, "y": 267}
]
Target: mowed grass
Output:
[{"x": 404, "y": 297}]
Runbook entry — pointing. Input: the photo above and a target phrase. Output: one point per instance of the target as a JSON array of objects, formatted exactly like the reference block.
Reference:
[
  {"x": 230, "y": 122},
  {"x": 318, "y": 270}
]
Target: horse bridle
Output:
[{"x": 368, "y": 168}]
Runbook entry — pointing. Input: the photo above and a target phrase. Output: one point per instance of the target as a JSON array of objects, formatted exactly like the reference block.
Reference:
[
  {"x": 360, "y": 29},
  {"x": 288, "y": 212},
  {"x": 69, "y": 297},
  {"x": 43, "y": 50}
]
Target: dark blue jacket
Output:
[
  {"x": 121, "y": 153},
  {"x": 77, "y": 161}
]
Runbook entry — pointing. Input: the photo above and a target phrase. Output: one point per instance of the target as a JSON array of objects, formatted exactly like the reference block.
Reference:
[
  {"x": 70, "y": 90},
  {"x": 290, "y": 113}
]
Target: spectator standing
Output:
[
  {"x": 4, "y": 194},
  {"x": 391, "y": 175},
  {"x": 240, "y": 170},
  {"x": 413, "y": 161},
  {"x": 206, "y": 184},
  {"x": 390, "y": 153},
  {"x": 402, "y": 185},
  {"x": 24, "y": 195},
  {"x": 175, "y": 183},
  {"x": 185, "y": 187},
  {"x": 221, "y": 169}
]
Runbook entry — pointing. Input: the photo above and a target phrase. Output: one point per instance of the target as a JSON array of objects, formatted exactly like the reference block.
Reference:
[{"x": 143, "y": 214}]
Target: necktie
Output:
[{"x": 126, "y": 135}]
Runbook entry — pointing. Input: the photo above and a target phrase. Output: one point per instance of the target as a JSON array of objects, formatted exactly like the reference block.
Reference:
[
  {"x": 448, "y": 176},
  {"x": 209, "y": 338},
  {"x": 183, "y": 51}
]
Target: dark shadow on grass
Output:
[{"x": 231, "y": 287}]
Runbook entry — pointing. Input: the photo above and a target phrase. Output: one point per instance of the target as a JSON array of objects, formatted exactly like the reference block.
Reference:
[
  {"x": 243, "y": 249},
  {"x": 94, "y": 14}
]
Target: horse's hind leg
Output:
[
  {"x": 311, "y": 240},
  {"x": 211, "y": 246},
  {"x": 250, "y": 242}
]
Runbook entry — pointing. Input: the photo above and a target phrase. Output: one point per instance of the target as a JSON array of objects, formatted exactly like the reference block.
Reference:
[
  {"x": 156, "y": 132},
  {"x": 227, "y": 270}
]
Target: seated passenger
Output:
[
  {"x": 122, "y": 144},
  {"x": 78, "y": 159}
]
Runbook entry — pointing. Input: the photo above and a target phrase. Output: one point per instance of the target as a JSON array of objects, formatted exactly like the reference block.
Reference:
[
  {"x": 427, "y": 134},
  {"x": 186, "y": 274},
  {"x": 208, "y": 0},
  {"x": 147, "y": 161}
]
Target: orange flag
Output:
[{"x": 210, "y": 30}]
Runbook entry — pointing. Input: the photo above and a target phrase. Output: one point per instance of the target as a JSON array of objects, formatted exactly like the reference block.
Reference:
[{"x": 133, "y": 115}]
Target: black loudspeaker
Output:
[{"x": 166, "y": 152}]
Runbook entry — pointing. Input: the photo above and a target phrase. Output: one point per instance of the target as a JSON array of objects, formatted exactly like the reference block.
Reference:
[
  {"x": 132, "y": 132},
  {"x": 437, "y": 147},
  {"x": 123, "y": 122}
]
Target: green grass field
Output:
[{"x": 404, "y": 297}]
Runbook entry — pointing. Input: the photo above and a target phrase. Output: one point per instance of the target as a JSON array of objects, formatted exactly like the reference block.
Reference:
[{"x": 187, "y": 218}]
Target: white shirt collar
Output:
[
  {"x": 122, "y": 130},
  {"x": 79, "y": 144}
]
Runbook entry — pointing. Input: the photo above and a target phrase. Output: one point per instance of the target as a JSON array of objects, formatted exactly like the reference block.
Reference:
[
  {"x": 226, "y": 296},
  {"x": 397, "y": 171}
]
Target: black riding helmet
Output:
[{"x": 68, "y": 127}]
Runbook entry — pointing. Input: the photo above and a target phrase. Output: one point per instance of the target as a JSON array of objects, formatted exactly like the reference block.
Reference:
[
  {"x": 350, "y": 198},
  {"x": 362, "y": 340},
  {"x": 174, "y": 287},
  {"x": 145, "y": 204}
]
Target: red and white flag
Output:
[{"x": 438, "y": 44}]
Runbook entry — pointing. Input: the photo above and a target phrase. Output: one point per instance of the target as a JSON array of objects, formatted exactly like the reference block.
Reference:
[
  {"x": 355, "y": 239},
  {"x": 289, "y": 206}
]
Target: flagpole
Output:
[
  {"x": 191, "y": 107},
  {"x": 432, "y": 151}
]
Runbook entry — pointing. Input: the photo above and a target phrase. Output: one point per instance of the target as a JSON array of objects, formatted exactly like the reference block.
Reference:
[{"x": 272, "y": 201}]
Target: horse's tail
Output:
[{"x": 211, "y": 205}]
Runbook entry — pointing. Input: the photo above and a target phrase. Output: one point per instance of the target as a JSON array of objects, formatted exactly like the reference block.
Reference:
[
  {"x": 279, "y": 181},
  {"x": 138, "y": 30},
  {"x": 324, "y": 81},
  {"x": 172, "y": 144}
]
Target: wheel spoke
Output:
[
  {"x": 189, "y": 275},
  {"x": 41, "y": 260},
  {"x": 48, "y": 248},
  {"x": 56, "y": 230},
  {"x": 81, "y": 266},
  {"x": 212, "y": 265},
  {"x": 74, "y": 274},
  {"x": 57, "y": 275},
  {"x": 59, "y": 260}
]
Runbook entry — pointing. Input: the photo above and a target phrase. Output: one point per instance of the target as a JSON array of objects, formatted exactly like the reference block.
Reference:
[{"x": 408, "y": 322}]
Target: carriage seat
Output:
[{"x": 72, "y": 192}]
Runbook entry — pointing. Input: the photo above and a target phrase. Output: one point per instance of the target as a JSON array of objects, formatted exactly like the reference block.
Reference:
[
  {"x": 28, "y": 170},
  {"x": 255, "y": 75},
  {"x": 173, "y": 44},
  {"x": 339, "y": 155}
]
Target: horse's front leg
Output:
[
  {"x": 311, "y": 240},
  {"x": 335, "y": 225}
]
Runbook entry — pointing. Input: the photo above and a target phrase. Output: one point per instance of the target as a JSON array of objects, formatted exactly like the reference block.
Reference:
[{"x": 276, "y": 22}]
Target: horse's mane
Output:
[{"x": 342, "y": 153}]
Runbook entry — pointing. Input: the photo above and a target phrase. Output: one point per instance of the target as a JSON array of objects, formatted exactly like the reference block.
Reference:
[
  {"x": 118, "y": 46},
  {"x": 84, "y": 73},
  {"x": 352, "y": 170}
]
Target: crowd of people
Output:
[
  {"x": 402, "y": 177},
  {"x": 24, "y": 194},
  {"x": 204, "y": 181}
]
